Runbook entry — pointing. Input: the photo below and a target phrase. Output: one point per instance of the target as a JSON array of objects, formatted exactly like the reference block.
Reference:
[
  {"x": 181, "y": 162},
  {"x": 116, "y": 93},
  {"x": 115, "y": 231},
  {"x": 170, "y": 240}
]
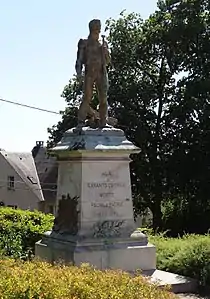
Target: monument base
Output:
[
  {"x": 125, "y": 254},
  {"x": 94, "y": 222}
]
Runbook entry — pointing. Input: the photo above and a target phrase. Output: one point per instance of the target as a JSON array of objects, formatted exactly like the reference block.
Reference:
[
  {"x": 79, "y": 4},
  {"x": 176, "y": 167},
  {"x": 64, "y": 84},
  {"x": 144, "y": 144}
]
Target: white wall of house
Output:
[{"x": 21, "y": 195}]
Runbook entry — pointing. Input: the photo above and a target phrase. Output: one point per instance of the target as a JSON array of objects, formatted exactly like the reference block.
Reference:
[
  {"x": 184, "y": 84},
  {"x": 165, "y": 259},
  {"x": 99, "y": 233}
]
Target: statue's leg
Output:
[
  {"x": 102, "y": 87},
  {"x": 88, "y": 92}
]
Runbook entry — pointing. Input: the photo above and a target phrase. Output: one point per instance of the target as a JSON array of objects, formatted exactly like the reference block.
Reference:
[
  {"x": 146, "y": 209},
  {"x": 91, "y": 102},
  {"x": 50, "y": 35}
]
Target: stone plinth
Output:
[{"x": 95, "y": 222}]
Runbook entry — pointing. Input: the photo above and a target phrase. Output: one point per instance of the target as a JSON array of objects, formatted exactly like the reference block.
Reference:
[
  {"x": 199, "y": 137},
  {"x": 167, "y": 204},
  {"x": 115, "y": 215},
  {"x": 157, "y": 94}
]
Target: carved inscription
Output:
[
  {"x": 106, "y": 189},
  {"x": 109, "y": 175},
  {"x": 106, "y": 185},
  {"x": 106, "y": 204},
  {"x": 106, "y": 195},
  {"x": 107, "y": 213},
  {"x": 106, "y": 209}
]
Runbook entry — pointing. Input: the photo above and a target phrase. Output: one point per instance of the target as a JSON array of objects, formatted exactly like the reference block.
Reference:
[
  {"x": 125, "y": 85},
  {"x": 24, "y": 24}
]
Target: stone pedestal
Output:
[{"x": 94, "y": 222}]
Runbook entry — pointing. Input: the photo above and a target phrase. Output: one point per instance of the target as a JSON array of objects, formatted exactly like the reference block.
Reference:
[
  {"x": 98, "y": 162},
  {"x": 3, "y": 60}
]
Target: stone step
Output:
[{"x": 178, "y": 283}]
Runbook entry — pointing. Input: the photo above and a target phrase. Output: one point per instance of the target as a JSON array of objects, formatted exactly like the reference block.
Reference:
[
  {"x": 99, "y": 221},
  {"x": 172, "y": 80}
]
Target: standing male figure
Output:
[{"x": 95, "y": 57}]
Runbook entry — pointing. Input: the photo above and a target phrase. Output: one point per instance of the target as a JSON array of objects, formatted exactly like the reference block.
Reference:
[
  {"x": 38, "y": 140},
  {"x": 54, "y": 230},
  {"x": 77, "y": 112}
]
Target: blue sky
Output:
[{"x": 37, "y": 55}]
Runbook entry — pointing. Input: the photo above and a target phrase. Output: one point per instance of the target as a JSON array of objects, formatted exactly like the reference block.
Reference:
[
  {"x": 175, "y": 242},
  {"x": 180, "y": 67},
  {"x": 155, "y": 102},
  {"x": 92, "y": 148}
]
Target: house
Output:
[
  {"x": 19, "y": 182},
  {"x": 47, "y": 170}
]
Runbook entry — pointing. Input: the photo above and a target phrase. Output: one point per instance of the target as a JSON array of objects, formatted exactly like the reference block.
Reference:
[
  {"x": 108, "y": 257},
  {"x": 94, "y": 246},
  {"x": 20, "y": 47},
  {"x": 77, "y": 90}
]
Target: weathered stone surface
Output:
[
  {"x": 94, "y": 166},
  {"x": 98, "y": 174},
  {"x": 178, "y": 283},
  {"x": 80, "y": 139},
  {"x": 125, "y": 254}
]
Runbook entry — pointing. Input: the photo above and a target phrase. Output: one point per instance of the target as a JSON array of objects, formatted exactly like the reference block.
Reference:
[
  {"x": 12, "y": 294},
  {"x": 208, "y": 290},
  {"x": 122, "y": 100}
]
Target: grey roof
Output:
[
  {"x": 23, "y": 164},
  {"x": 47, "y": 169},
  {"x": 44, "y": 163}
]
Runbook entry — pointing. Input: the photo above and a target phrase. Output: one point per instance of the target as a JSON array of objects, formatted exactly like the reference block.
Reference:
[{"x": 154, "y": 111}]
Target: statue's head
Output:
[{"x": 95, "y": 28}]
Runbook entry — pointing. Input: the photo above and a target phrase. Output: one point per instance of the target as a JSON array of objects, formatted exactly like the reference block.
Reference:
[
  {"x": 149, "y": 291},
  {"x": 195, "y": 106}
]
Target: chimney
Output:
[
  {"x": 35, "y": 150},
  {"x": 40, "y": 143}
]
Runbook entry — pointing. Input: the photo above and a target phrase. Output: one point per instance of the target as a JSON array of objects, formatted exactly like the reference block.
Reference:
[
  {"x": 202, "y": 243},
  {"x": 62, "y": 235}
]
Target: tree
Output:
[
  {"x": 165, "y": 116},
  {"x": 146, "y": 88},
  {"x": 188, "y": 39},
  {"x": 72, "y": 93}
]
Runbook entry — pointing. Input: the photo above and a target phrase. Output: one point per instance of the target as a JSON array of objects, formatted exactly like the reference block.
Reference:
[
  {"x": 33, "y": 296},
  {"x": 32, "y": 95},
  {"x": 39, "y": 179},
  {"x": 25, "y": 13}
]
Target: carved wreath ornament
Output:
[{"x": 107, "y": 229}]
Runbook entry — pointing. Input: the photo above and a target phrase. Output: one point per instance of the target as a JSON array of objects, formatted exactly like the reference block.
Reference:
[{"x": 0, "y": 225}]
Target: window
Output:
[{"x": 11, "y": 183}]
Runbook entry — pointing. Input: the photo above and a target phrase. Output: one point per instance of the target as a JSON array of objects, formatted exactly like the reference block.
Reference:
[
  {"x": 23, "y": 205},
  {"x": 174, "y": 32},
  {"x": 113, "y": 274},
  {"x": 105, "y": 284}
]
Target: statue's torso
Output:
[{"x": 93, "y": 56}]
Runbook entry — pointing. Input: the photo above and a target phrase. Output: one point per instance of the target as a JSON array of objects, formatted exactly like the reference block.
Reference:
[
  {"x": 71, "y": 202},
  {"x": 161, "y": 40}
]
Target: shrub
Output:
[
  {"x": 182, "y": 215},
  {"x": 42, "y": 280},
  {"x": 189, "y": 256},
  {"x": 20, "y": 230}
]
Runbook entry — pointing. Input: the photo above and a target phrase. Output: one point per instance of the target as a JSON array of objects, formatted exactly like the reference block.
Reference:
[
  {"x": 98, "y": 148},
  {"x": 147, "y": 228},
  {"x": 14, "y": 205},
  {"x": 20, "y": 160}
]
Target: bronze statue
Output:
[{"x": 94, "y": 56}]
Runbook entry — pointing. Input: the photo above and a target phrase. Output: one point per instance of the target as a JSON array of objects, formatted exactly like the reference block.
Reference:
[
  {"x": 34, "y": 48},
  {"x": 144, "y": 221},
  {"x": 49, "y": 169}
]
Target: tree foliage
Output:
[{"x": 159, "y": 91}]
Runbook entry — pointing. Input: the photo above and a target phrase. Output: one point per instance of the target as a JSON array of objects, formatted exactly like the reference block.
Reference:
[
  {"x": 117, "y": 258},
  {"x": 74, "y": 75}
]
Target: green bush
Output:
[
  {"x": 20, "y": 230},
  {"x": 189, "y": 256},
  {"x": 181, "y": 216},
  {"x": 41, "y": 280}
]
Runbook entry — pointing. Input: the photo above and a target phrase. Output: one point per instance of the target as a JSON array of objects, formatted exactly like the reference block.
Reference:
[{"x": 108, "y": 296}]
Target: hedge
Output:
[
  {"x": 188, "y": 256},
  {"x": 20, "y": 230},
  {"x": 41, "y": 280}
]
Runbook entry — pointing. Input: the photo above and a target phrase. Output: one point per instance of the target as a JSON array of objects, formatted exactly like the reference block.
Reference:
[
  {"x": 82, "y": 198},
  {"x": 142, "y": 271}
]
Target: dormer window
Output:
[{"x": 32, "y": 180}]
